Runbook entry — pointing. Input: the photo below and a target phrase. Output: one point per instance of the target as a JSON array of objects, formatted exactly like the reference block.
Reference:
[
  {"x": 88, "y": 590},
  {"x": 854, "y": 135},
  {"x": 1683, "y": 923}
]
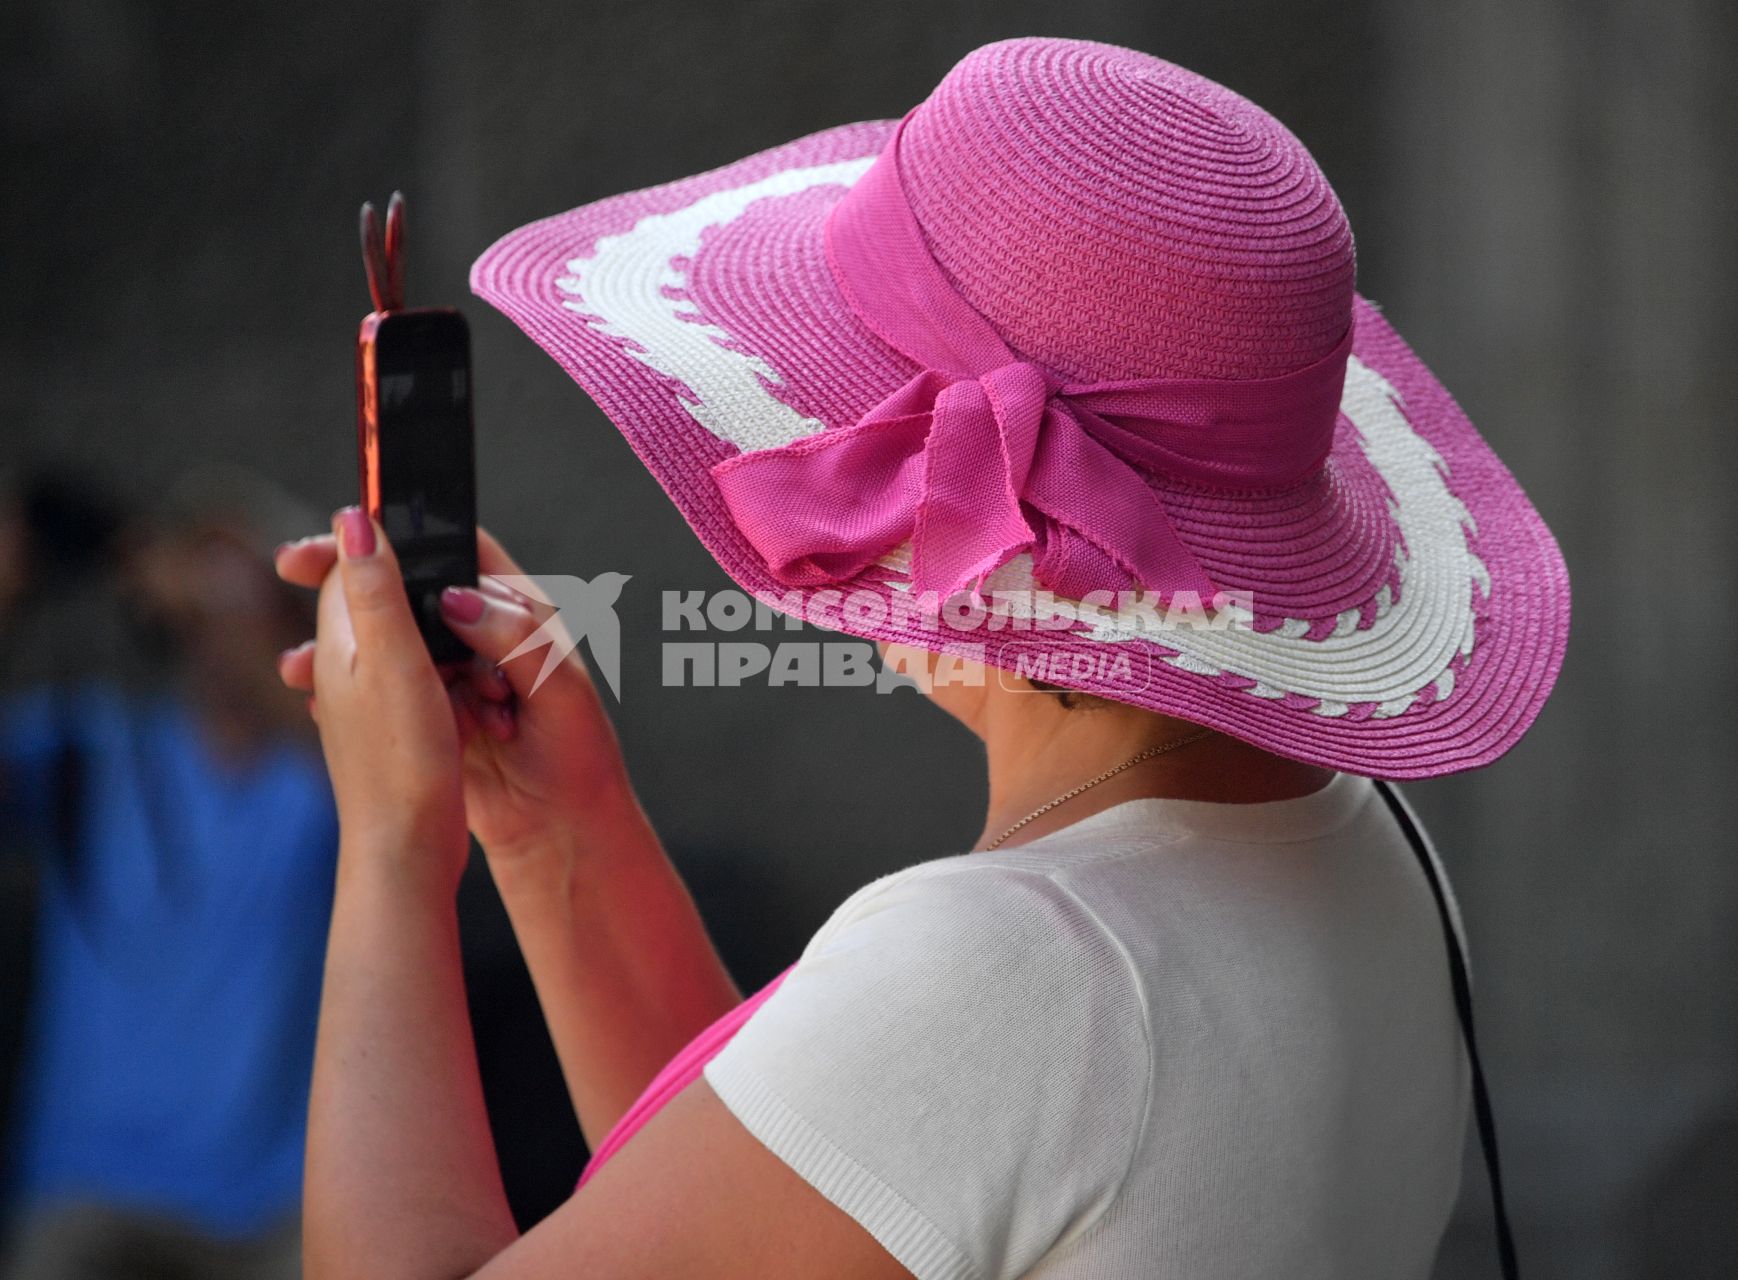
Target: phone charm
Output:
[{"x": 384, "y": 260}]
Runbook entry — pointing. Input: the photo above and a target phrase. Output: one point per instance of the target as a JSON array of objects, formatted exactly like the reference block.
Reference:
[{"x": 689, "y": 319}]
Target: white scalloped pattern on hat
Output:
[
  {"x": 622, "y": 285},
  {"x": 1407, "y": 646}
]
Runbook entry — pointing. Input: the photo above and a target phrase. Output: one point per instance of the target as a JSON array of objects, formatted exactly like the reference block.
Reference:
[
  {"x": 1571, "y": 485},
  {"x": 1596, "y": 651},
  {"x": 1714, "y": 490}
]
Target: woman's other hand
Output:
[{"x": 537, "y": 770}]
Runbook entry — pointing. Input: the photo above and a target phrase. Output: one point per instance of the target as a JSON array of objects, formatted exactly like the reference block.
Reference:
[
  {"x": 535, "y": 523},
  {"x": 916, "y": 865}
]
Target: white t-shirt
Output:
[{"x": 1175, "y": 1039}]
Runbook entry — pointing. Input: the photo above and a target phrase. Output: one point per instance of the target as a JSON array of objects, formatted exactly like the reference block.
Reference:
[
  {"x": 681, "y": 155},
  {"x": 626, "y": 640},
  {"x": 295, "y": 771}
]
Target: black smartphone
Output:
[{"x": 416, "y": 455}]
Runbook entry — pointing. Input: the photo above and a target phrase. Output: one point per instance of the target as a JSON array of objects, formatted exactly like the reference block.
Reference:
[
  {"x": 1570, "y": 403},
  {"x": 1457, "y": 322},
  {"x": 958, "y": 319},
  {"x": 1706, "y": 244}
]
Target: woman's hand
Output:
[{"x": 536, "y": 771}]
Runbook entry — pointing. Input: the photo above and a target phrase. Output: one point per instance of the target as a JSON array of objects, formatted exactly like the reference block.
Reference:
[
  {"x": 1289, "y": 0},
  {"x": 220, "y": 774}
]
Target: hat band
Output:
[{"x": 983, "y": 455}]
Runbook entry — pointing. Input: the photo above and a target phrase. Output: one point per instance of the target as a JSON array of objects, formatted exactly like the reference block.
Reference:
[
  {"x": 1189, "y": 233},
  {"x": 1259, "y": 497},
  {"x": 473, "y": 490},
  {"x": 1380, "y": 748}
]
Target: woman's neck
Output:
[{"x": 1039, "y": 751}]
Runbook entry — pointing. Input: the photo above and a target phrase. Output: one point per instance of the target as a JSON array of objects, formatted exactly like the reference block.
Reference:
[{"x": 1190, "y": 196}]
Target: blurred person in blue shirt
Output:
[{"x": 184, "y": 840}]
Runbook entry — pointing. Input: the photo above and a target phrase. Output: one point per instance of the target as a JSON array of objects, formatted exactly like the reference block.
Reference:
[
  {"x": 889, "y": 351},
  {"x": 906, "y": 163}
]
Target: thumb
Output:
[
  {"x": 374, "y": 597},
  {"x": 523, "y": 646}
]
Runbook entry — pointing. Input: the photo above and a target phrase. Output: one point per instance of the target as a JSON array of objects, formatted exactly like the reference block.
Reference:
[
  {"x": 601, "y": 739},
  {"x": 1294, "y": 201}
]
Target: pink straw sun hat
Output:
[{"x": 1068, "y": 349}]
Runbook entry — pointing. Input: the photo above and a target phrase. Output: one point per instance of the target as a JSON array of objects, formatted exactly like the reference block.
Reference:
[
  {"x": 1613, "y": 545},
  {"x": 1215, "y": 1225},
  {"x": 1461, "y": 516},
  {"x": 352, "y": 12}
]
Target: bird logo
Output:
[{"x": 583, "y": 611}]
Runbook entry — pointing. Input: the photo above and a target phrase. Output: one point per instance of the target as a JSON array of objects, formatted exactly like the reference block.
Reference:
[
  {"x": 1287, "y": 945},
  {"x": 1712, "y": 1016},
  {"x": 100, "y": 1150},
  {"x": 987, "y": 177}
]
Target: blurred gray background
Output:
[{"x": 1543, "y": 196}]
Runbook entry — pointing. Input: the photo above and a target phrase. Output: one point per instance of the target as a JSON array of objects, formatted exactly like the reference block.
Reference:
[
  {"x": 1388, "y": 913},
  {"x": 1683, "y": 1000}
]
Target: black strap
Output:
[{"x": 1481, "y": 1099}]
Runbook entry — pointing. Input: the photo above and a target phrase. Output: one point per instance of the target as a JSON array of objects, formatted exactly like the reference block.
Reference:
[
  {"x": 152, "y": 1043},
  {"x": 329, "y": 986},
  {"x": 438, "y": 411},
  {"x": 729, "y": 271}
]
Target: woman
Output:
[{"x": 1076, "y": 336}]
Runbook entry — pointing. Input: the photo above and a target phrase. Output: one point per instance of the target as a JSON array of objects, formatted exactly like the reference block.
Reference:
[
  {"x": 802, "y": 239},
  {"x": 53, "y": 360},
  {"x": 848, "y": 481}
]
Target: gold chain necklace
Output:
[{"x": 1130, "y": 763}]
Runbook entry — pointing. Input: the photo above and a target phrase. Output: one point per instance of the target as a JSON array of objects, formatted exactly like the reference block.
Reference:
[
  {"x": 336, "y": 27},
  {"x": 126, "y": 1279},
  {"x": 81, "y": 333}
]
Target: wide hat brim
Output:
[{"x": 1412, "y": 608}]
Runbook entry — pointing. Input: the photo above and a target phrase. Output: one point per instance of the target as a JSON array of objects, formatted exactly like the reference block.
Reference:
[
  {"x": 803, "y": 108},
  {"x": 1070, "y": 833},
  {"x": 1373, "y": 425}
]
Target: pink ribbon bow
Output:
[{"x": 982, "y": 455}]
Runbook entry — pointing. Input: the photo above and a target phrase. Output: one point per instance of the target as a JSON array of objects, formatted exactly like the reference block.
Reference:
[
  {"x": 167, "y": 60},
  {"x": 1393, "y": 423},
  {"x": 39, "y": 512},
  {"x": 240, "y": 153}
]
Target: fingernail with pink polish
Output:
[
  {"x": 461, "y": 604},
  {"x": 355, "y": 533}
]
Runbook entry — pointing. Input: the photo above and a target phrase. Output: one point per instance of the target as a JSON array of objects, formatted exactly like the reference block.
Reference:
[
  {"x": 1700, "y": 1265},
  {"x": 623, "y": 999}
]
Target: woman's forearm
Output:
[
  {"x": 401, "y": 1173},
  {"x": 623, "y": 966}
]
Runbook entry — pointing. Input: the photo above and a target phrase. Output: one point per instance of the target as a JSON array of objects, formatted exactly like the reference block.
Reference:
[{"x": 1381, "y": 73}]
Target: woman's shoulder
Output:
[
  {"x": 1121, "y": 901},
  {"x": 1140, "y": 887},
  {"x": 988, "y": 902}
]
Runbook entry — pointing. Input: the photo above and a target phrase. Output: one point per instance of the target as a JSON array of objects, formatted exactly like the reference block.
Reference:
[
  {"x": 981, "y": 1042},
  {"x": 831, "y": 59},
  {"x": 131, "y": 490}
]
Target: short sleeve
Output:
[{"x": 959, "y": 1061}]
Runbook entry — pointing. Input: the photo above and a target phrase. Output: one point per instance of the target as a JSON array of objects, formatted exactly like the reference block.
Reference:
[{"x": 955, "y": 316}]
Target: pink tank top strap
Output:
[{"x": 677, "y": 1075}]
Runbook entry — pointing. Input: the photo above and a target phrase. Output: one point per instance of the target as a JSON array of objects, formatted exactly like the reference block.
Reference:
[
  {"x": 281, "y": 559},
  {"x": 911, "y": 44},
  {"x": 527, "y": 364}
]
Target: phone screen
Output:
[{"x": 424, "y": 460}]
